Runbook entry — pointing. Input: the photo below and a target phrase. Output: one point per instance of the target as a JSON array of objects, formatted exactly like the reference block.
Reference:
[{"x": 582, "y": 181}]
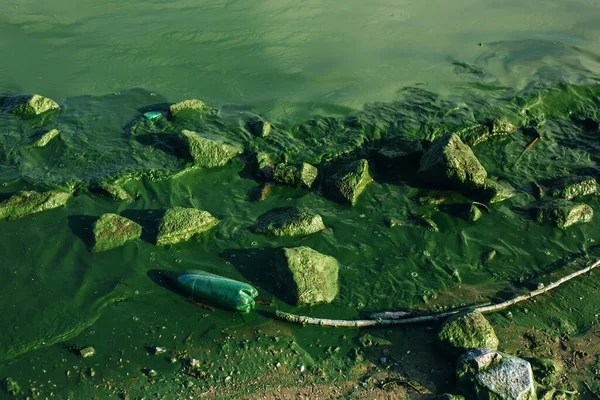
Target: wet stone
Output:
[
  {"x": 574, "y": 186},
  {"x": 112, "y": 231},
  {"x": 259, "y": 128},
  {"x": 180, "y": 224},
  {"x": 476, "y": 134},
  {"x": 11, "y": 387},
  {"x": 348, "y": 184},
  {"x": 112, "y": 190},
  {"x": 486, "y": 374},
  {"x": 297, "y": 175},
  {"x": 87, "y": 352},
  {"x": 496, "y": 191},
  {"x": 403, "y": 153},
  {"x": 310, "y": 277},
  {"x": 451, "y": 163},
  {"x": 28, "y": 104},
  {"x": 30, "y": 202},
  {"x": 193, "y": 104},
  {"x": 208, "y": 150},
  {"x": 467, "y": 331},
  {"x": 289, "y": 221},
  {"x": 561, "y": 213},
  {"x": 45, "y": 138}
]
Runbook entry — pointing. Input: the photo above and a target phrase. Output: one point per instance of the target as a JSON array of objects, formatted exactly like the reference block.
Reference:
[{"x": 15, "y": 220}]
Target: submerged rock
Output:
[
  {"x": 30, "y": 202},
  {"x": 11, "y": 387},
  {"x": 259, "y": 128},
  {"x": 561, "y": 213},
  {"x": 486, "y": 374},
  {"x": 347, "y": 184},
  {"x": 574, "y": 186},
  {"x": 209, "y": 150},
  {"x": 402, "y": 152},
  {"x": 467, "y": 331},
  {"x": 289, "y": 221},
  {"x": 297, "y": 175},
  {"x": 112, "y": 190},
  {"x": 112, "y": 231},
  {"x": 476, "y": 134},
  {"x": 310, "y": 276},
  {"x": 496, "y": 191},
  {"x": 451, "y": 163},
  {"x": 87, "y": 352},
  {"x": 45, "y": 138},
  {"x": 28, "y": 104},
  {"x": 192, "y": 104},
  {"x": 180, "y": 224}
]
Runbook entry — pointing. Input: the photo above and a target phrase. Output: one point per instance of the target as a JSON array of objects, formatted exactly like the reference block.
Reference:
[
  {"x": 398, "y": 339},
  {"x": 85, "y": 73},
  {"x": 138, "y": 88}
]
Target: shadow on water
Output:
[
  {"x": 148, "y": 220},
  {"x": 81, "y": 226},
  {"x": 255, "y": 266}
]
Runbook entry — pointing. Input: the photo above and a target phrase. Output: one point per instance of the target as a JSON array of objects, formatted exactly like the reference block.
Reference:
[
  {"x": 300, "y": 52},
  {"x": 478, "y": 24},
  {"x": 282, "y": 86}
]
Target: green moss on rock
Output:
[
  {"x": 297, "y": 175},
  {"x": 259, "y": 128},
  {"x": 192, "y": 104},
  {"x": 476, "y": 134},
  {"x": 574, "y": 186},
  {"x": 546, "y": 370},
  {"x": 494, "y": 191},
  {"x": 467, "y": 331},
  {"x": 400, "y": 153},
  {"x": 180, "y": 224},
  {"x": 30, "y": 202},
  {"x": 113, "y": 190},
  {"x": 289, "y": 221},
  {"x": 451, "y": 163},
  {"x": 45, "y": 138},
  {"x": 209, "y": 150},
  {"x": 310, "y": 277},
  {"x": 112, "y": 231},
  {"x": 28, "y": 104},
  {"x": 346, "y": 185},
  {"x": 561, "y": 213}
]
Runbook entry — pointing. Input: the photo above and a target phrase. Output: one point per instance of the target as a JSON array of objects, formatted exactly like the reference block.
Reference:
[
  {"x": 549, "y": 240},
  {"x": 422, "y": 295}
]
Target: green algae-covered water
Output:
[{"x": 339, "y": 82}]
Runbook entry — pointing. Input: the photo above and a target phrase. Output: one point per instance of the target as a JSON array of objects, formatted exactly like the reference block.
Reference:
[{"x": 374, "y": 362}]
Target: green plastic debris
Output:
[
  {"x": 150, "y": 115},
  {"x": 218, "y": 289}
]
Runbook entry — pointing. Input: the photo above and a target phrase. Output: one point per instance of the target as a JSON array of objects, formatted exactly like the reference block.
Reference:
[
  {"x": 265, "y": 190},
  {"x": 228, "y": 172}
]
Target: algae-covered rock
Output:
[
  {"x": 192, "y": 104},
  {"x": 486, "y": 374},
  {"x": 289, "y": 221},
  {"x": 28, "y": 104},
  {"x": 259, "y": 128},
  {"x": 545, "y": 370},
  {"x": 112, "y": 230},
  {"x": 562, "y": 213},
  {"x": 347, "y": 184},
  {"x": 112, "y": 190},
  {"x": 30, "y": 202},
  {"x": 11, "y": 387},
  {"x": 402, "y": 152},
  {"x": 45, "y": 138},
  {"x": 297, "y": 175},
  {"x": 476, "y": 134},
  {"x": 209, "y": 150},
  {"x": 311, "y": 277},
  {"x": 368, "y": 340},
  {"x": 574, "y": 186},
  {"x": 451, "y": 163},
  {"x": 467, "y": 331},
  {"x": 180, "y": 224},
  {"x": 494, "y": 191}
]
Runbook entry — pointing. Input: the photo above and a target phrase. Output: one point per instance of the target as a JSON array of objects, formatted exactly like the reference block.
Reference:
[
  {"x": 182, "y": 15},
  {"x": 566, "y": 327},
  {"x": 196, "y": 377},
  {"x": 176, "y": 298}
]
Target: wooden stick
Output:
[
  {"x": 535, "y": 139},
  {"x": 304, "y": 320}
]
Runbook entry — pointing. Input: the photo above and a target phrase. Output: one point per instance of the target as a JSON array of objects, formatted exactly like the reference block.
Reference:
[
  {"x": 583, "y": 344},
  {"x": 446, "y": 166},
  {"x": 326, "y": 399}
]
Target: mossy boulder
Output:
[
  {"x": 574, "y": 186},
  {"x": 487, "y": 374},
  {"x": 309, "y": 276},
  {"x": 289, "y": 221},
  {"x": 467, "y": 331},
  {"x": 562, "y": 213},
  {"x": 45, "y": 138},
  {"x": 297, "y": 175},
  {"x": 348, "y": 183},
  {"x": 30, "y": 202},
  {"x": 209, "y": 150},
  {"x": 180, "y": 224},
  {"x": 450, "y": 163},
  {"x": 476, "y": 134},
  {"x": 112, "y": 231},
  {"x": 192, "y": 104},
  {"x": 28, "y": 105},
  {"x": 403, "y": 153}
]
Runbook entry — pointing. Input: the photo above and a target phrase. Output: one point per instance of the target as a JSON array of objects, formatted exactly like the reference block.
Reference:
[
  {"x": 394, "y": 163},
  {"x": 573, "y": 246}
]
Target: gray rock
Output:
[
  {"x": 289, "y": 221},
  {"x": 451, "y": 163},
  {"x": 487, "y": 374},
  {"x": 311, "y": 277}
]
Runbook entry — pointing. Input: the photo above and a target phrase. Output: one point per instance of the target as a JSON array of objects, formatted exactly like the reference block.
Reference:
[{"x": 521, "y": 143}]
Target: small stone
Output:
[
  {"x": 302, "y": 368},
  {"x": 348, "y": 183},
  {"x": 259, "y": 128},
  {"x": 289, "y": 221},
  {"x": 112, "y": 231},
  {"x": 158, "y": 350},
  {"x": 561, "y": 213},
  {"x": 152, "y": 373},
  {"x": 297, "y": 175},
  {"x": 574, "y": 186},
  {"x": 495, "y": 191},
  {"x": 45, "y": 138},
  {"x": 11, "y": 387},
  {"x": 112, "y": 190},
  {"x": 87, "y": 352},
  {"x": 208, "y": 150},
  {"x": 180, "y": 224},
  {"x": 28, "y": 104},
  {"x": 467, "y": 331},
  {"x": 194, "y": 363},
  {"x": 30, "y": 202},
  {"x": 192, "y": 104}
]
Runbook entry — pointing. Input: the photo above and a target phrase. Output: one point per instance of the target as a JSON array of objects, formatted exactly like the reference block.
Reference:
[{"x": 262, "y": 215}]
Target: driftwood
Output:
[{"x": 304, "y": 320}]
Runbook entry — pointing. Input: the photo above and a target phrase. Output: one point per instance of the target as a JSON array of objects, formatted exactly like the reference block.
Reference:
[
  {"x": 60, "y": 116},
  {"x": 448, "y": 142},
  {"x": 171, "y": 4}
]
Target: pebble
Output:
[
  {"x": 194, "y": 363},
  {"x": 158, "y": 350},
  {"x": 87, "y": 352}
]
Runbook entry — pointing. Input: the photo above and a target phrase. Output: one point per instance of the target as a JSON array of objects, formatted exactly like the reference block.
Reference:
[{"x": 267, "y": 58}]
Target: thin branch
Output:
[
  {"x": 535, "y": 139},
  {"x": 305, "y": 320}
]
